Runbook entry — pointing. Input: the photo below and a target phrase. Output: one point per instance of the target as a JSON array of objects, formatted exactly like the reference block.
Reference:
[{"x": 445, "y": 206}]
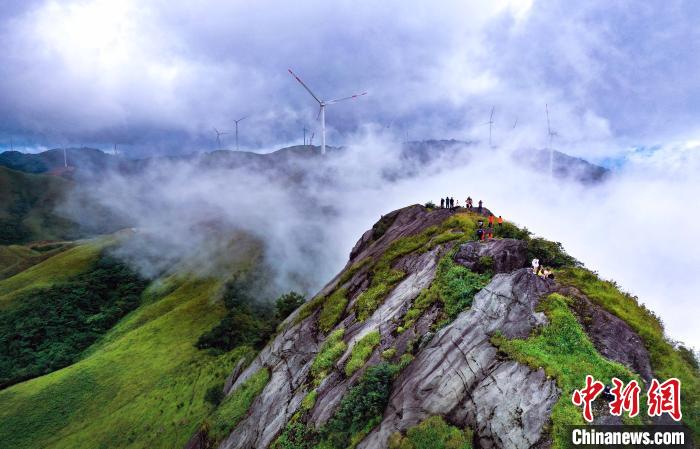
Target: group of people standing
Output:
[
  {"x": 449, "y": 203},
  {"x": 484, "y": 233}
]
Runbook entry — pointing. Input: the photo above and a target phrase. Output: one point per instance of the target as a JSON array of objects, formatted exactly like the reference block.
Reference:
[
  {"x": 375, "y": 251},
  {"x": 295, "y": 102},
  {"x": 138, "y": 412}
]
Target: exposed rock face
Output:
[
  {"x": 288, "y": 358},
  {"x": 458, "y": 374},
  {"x": 611, "y": 336},
  {"x": 507, "y": 254}
]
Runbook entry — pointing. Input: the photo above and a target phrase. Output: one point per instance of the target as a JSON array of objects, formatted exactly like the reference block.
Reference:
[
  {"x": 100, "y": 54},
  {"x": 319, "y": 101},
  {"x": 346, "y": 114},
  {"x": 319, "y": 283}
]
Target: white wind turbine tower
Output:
[
  {"x": 65, "y": 157},
  {"x": 322, "y": 108},
  {"x": 490, "y": 123},
  {"x": 551, "y": 148},
  {"x": 236, "y": 121},
  {"x": 218, "y": 137}
]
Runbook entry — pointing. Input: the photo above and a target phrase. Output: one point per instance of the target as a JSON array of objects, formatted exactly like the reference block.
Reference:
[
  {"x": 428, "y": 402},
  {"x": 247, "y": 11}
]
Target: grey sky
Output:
[{"x": 160, "y": 74}]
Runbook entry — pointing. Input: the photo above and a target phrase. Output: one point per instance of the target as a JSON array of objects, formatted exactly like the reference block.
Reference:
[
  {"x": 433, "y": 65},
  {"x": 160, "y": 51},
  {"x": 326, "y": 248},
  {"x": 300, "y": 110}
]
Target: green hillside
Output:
[{"x": 28, "y": 208}]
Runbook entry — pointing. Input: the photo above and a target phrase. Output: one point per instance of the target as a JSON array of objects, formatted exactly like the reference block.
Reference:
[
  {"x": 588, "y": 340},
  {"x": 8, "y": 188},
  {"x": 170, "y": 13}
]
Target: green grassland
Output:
[
  {"x": 142, "y": 385},
  {"x": 27, "y": 208},
  {"x": 58, "y": 268}
]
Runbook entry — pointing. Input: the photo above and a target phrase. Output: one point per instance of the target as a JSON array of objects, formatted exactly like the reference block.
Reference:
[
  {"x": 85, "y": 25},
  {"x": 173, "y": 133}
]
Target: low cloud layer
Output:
[{"x": 636, "y": 228}]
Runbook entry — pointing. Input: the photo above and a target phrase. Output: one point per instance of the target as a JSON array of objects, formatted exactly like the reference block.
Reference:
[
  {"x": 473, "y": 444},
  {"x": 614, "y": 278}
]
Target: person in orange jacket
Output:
[
  {"x": 490, "y": 220},
  {"x": 500, "y": 221}
]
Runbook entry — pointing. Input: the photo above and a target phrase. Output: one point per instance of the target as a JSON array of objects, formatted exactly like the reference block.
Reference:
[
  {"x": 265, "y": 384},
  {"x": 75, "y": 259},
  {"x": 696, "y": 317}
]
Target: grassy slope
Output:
[
  {"x": 55, "y": 269},
  {"x": 565, "y": 352},
  {"x": 143, "y": 386},
  {"x": 27, "y": 204},
  {"x": 666, "y": 361},
  {"x": 16, "y": 258}
]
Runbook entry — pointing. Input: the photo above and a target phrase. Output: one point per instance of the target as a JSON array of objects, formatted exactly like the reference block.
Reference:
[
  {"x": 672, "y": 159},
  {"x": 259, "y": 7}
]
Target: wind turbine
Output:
[
  {"x": 65, "y": 157},
  {"x": 218, "y": 137},
  {"x": 245, "y": 116},
  {"x": 304, "y": 135},
  {"x": 311, "y": 139},
  {"x": 490, "y": 123},
  {"x": 322, "y": 108},
  {"x": 551, "y": 148}
]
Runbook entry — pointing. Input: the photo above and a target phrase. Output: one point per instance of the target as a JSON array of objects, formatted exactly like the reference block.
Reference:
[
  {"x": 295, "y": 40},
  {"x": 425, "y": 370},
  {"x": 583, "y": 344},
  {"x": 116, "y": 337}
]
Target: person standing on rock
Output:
[
  {"x": 491, "y": 220},
  {"x": 442, "y": 203},
  {"x": 480, "y": 206},
  {"x": 500, "y": 222},
  {"x": 452, "y": 203},
  {"x": 535, "y": 265},
  {"x": 469, "y": 203}
]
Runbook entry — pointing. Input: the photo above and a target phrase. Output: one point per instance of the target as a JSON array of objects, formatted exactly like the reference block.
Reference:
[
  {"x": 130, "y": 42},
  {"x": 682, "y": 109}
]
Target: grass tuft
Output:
[
  {"x": 432, "y": 433},
  {"x": 361, "y": 352},
  {"x": 333, "y": 309},
  {"x": 227, "y": 416},
  {"x": 330, "y": 352}
]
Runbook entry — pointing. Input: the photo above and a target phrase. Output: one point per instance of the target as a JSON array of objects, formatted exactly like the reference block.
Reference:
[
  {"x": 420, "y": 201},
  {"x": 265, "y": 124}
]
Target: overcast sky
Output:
[{"x": 160, "y": 74}]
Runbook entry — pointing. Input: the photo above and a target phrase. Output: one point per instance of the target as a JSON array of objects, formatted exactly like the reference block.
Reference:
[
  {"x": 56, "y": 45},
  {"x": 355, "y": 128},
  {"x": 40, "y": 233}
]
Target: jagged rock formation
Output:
[{"x": 456, "y": 372}]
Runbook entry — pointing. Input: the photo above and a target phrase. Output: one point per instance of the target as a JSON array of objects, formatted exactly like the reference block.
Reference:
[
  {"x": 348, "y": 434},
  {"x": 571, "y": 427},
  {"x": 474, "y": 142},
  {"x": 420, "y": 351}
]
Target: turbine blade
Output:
[
  {"x": 319, "y": 113},
  {"x": 338, "y": 100},
  {"x": 305, "y": 86},
  {"x": 241, "y": 119}
]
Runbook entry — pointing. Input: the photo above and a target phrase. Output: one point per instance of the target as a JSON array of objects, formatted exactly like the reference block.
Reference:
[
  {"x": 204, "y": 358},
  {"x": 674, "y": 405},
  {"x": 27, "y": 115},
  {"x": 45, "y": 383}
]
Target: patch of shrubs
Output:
[
  {"x": 250, "y": 320},
  {"x": 214, "y": 394},
  {"x": 47, "y": 329}
]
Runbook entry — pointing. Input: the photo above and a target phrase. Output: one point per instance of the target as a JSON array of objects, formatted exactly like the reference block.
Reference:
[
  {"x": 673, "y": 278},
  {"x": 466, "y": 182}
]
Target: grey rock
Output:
[
  {"x": 507, "y": 254},
  {"x": 611, "y": 336},
  {"x": 458, "y": 371},
  {"x": 288, "y": 358}
]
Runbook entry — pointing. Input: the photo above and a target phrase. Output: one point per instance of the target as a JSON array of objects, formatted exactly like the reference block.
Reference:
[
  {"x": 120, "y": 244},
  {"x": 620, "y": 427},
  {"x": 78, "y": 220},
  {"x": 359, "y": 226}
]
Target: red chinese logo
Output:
[
  {"x": 587, "y": 395},
  {"x": 661, "y": 397},
  {"x": 626, "y": 398},
  {"x": 665, "y": 398}
]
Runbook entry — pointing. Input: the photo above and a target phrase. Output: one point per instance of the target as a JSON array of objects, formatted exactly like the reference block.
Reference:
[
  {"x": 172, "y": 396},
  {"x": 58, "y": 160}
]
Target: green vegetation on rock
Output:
[
  {"x": 333, "y": 309},
  {"x": 232, "y": 409},
  {"x": 565, "y": 352},
  {"x": 458, "y": 227},
  {"x": 360, "y": 409},
  {"x": 666, "y": 361},
  {"x": 432, "y": 433},
  {"x": 330, "y": 352},
  {"x": 454, "y": 287},
  {"x": 361, "y": 352}
]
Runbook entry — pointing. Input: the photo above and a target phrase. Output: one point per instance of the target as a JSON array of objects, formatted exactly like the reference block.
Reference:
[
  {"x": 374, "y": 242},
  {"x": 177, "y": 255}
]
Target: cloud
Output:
[{"x": 159, "y": 74}]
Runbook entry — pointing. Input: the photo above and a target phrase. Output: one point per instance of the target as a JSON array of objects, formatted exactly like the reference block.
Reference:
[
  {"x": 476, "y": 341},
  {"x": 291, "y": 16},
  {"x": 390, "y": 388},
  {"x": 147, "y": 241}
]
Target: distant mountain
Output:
[
  {"x": 88, "y": 160},
  {"x": 292, "y": 161},
  {"x": 31, "y": 209},
  {"x": 564, "y": 166}
]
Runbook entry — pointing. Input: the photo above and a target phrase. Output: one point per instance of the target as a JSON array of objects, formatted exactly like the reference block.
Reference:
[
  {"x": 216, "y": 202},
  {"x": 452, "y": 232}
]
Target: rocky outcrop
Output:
[
  {"x": 506, "y": 255},
  {"x": 458, "y": 373},
  {"x": 288, "y": 358},
  {"x": 611, "y": 336}
]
